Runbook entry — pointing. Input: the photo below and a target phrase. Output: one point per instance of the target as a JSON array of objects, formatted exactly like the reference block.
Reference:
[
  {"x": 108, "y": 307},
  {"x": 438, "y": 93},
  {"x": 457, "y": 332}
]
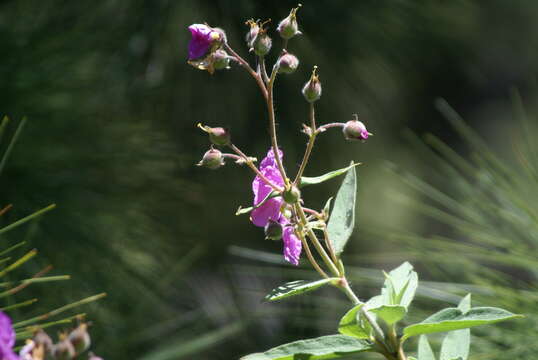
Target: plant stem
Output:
[
  {"x": 249, "y": 69},
  {"x": 251, "y": 165},
  {"x": 401, "y": 354},
  {"x": 315, "y": 241},
  {"x": 380, "y": 336},
  {"x": 310, "y": 256},
  {"x": 263, "y": 70},
  {"x": 323, "y": 128},
  {"x": 309, "y": 146},
  {"x": 272, "y": 125}
]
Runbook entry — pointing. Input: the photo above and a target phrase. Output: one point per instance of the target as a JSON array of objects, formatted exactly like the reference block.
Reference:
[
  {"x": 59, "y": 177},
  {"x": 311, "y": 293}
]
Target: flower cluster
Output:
[
  {"x": 69, "y": 346},
  {"x": 277, "y": 206}
]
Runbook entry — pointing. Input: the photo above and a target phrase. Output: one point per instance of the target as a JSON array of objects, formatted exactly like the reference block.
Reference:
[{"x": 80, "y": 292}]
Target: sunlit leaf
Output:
[
  {"x": 325, "y": 347},
  {"x": 297, "y": 287},
  {"x": 342, "y": 219}
]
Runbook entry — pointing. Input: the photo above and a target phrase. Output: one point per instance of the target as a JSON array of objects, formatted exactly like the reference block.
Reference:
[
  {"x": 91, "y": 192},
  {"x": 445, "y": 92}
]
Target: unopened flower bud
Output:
[
  {"x": 288, "y": 27},
  {"x": 273, "y": 230},
  {"x": 287, "y": 63},
  {"x": 212, "y": 159},
  {"x": 312, "y": 88},
  {"x": 80, "y": 339},
  {"x": 291, "y": 195},
  {"x": 64, "y": 350},
  {"x": 262, "y": 43},
  {"x": 221, "y": 60},
  {"x": 217, "y": 135},
  {"x": 355, "y": 130},
  {"x": 42, "y": 338}
]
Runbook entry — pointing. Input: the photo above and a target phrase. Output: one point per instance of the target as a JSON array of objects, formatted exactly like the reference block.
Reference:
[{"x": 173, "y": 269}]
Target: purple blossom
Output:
[
  {"x": 7, "y": 338},
  {"x": 270, "y": 210},
  {"x": 292, "y": 246},
  {"x": 202, "y": 38}
]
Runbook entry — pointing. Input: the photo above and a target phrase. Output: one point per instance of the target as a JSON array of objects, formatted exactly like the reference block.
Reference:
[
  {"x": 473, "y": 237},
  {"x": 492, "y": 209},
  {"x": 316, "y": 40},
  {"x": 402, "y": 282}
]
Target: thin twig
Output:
[
  {"x": 272, "y": 124},
  {"x": 249, "y": 163},
  {"x": 309, "y": 146}
]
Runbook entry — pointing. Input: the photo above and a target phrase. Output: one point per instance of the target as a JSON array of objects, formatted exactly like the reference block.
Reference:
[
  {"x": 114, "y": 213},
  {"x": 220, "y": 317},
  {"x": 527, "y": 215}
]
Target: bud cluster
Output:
[{"x": 69, "y": 346}]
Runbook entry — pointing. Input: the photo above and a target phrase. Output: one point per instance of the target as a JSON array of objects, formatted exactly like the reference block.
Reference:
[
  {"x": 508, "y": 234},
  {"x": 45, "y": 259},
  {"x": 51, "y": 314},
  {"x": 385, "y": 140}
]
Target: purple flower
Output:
[
  {"x": 292, "y": 246},
  {"x": 7, "y": 338},
  {"x": 202, "y": 38},
  {"x": 270, "y": 210}
]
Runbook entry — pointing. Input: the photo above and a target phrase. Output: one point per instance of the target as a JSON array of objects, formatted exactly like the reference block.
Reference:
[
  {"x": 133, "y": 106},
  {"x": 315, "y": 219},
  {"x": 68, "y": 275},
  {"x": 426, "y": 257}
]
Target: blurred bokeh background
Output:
[{"x": 111, "y": 138}]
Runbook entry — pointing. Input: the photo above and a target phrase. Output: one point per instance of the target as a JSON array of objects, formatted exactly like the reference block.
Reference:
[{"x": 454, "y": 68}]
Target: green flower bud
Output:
[
  {"x": 212, "y": 159},
  {"x": 287, "y": 63},
  {"x": 217, "y": 135},
  {"x": 291, "y": 195},
  {"x": 221, "y": 60},
  {"x": 273, "y": 231},
  {"x": 262, "y": 43},
  {"x": 312, "y": 88},
  {"x": 288, "y": 27}
]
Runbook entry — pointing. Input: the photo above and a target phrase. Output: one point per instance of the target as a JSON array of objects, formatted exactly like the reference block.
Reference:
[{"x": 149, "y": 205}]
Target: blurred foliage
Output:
[
  {"x": 488, "y": 209},
  {"x": 111, "y": 138}
]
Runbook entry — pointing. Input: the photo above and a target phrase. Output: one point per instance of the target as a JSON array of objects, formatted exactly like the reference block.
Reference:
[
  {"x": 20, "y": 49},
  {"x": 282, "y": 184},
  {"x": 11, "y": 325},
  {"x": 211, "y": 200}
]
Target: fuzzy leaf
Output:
[
  {"x": 350, "y": 324},
  {"x": 305, "y": 181},
  {"x": 456, "y": 343},
  {"x": 297, "y": 287},
  {"x": 400, "y": 286},
  {"x": 425, "y": 351},
  {"x": 454, "y": 319},
  {"x": 390, "y": 313},
  {"x": 342, "y": 219},
  {"x": 325, "y": 347}
]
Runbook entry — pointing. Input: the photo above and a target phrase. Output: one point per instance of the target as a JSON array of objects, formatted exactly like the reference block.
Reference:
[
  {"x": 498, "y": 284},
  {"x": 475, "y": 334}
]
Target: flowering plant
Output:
[{"x": 279, "y": 208}]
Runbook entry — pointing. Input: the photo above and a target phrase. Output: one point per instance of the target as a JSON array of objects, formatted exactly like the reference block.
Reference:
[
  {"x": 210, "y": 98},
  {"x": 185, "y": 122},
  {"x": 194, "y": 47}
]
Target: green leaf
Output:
[
  {"x": 351, "y": 324},
  {"x": 342, "y": 219},
  {"x": 456, "y": 343},
  {"x": 390, "y": 313},
  {"x": 400, "y": 286},
  {"x": 454, "y": 319},
  {"x": 425, "y": 351},
  {"x": 305, "y": 181},
  {"x": 297, "y": 287},
  {"x": 325, "y": 347}
]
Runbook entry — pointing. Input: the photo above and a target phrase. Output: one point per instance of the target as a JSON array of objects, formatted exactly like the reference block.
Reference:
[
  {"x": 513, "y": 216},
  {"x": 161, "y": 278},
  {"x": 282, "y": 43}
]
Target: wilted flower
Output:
[
  {"x": 7, "y": 338},
  {"x": 202, "y": 38},
  {"x": 204, "y": 48},
  {"x": 257, "y": 38},
  {"x": 270, "y": 210}
]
